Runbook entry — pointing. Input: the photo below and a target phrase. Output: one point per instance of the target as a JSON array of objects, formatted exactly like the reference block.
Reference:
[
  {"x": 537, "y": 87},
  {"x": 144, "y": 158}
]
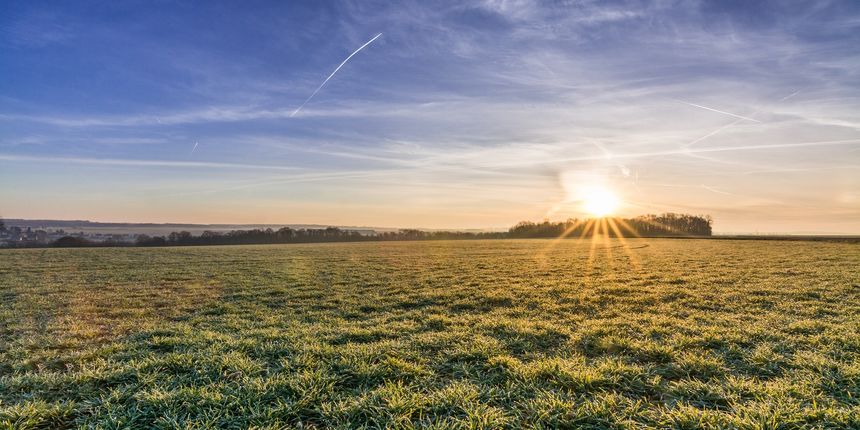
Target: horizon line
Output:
[{"x": 453, "y": 229}]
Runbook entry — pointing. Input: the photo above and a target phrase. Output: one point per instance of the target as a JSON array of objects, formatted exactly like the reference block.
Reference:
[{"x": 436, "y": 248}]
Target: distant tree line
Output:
[
  {"x": 80, "y": 242},
  {"x": 665, "y": 225},
  {"x": 289, "y": 235}
]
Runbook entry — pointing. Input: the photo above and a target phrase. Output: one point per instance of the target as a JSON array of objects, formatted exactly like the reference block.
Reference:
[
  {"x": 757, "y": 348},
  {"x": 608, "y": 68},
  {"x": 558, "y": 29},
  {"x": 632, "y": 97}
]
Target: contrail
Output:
[
  {"x": 195, "y": 147},
  {"x": 788, "y": 96},
  {"x": 714, "y": 190},
  {"x": 712, "y": 133},
  {"x": 735, "y": 122},
  {"x": 332, "y": 74},
  {"x": 718, "y": 111},
  {"x": 608, "y": 155}
]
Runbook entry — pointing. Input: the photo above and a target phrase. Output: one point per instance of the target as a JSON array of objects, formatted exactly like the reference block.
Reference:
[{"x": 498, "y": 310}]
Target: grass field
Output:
[{"x": 463, "y": 334}]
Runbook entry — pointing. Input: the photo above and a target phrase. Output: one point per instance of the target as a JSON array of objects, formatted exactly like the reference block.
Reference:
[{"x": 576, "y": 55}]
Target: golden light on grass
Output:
[{"x": 603, "y": 230}]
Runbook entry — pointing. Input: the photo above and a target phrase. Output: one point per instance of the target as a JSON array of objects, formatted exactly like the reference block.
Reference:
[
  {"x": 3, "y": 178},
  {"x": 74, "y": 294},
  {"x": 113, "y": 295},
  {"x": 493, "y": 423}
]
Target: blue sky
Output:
[{"x": 460, "y": 115}]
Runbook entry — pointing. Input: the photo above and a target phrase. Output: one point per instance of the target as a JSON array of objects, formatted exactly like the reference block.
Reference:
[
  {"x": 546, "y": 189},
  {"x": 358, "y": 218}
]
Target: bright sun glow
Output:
[{"x": 600, "y": 202}]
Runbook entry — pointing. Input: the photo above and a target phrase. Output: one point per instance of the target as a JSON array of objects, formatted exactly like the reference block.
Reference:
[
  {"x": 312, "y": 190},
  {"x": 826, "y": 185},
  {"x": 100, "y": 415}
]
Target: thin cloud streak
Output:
[
  {"x": 142, "y": 163},
  {"x": 332, "y": 74},
  {"x": 718, "y": 111},
  {"x": 714, "y": 190},
  {"x": 735, "y": 122},
  {"x": 690, "y": 151},
  {"x": 430, "y": 168}
]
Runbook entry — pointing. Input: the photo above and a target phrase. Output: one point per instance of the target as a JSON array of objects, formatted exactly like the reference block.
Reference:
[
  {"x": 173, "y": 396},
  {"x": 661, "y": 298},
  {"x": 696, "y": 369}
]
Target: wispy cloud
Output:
[
  {"x": 36, "y": 29},
  {"x": 140, "y": 163},
  {"x": 195, "y": 116}
]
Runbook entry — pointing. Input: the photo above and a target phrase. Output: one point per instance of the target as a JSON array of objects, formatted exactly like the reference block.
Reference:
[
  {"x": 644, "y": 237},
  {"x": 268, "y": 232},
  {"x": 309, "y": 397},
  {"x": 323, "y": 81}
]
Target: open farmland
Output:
[{"x": 447, "y": 334}]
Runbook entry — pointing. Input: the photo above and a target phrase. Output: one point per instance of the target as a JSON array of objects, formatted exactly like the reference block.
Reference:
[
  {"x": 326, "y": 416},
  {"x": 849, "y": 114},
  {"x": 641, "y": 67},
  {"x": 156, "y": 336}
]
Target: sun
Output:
[{"x": 600, "y": 202}]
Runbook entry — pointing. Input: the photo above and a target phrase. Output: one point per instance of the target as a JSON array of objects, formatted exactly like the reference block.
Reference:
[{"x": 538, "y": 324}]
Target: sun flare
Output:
[{"x": 600, "y": 202}]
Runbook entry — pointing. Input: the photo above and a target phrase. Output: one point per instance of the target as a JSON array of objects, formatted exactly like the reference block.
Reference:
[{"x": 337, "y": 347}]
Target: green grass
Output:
[{"x": 465, "y": 334}]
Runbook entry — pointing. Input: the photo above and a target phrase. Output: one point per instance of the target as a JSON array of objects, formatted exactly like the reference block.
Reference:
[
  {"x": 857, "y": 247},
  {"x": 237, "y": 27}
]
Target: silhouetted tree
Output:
[
  {"x": 665, "y": 225},
  {"x": 145, "y": 240},
  {"x": 71, "y": 242}
]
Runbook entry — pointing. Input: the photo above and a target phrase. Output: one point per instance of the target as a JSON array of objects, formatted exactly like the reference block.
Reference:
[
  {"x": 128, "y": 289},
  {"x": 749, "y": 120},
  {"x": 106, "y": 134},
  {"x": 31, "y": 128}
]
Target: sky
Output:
[{"x": 460, "y": 115}]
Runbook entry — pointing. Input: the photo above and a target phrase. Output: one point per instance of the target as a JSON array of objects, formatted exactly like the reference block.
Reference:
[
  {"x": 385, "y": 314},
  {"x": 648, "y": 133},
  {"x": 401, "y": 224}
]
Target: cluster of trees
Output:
[
  {"x": 82, "y": 242},
  {"x": 671, "y": 224},
  {"x": 665, "y": 225}
]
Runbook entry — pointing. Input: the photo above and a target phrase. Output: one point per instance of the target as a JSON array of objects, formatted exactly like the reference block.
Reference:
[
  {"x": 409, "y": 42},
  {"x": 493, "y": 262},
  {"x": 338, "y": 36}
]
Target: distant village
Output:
[{"x": 27, "y": 236}]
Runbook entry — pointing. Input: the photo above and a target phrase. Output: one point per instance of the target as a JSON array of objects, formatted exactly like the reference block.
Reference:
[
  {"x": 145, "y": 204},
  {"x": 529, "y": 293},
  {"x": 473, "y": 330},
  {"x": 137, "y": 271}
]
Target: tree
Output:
[
  {"x": 182, "y": 237},
  {"x": 71, "y": 242},
  {"x": 145, "y": 240}
]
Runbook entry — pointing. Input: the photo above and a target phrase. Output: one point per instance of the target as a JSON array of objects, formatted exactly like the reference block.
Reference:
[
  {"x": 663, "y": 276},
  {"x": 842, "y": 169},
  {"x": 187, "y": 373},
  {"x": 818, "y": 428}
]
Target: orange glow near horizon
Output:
[{"x": 600, "y": 202}]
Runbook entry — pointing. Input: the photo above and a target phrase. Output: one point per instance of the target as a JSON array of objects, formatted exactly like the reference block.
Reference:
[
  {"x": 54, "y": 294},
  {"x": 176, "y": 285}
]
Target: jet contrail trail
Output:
[
  {"x": 608, "y": 155},
  {"x": 735, "y": 122},
  {"x": 714, "y": 190},
  {"x": 195, "y": 147},
  {"x": 332, "y": 74},
  {"x": 788, "y": 96},
  {"x": 715, "y": 110}
]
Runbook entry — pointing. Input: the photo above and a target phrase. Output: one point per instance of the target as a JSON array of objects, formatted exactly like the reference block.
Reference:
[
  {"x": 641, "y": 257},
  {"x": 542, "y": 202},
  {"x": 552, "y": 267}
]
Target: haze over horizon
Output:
[{"x": 458, "y": 116}]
